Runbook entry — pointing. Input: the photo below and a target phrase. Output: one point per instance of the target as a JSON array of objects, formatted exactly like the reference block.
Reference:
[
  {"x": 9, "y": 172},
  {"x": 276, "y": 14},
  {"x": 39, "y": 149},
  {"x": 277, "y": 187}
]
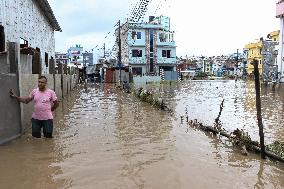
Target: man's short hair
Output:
[{"x": 42, "y": 77}]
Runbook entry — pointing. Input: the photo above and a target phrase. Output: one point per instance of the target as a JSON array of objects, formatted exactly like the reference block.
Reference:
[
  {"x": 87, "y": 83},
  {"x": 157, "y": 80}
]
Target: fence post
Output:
[{"x": 258, "y": 107}]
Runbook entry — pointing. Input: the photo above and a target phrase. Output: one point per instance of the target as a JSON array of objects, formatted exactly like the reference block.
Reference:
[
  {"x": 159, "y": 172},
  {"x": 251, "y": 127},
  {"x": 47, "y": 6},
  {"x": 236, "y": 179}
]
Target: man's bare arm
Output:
[
  {"x": 55, "y": 105},
  {"x": 25, "y": 100}
]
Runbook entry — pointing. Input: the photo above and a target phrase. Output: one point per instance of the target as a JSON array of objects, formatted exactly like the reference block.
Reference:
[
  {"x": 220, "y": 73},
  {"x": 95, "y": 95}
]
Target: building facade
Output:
[
  {"x": 280, "y": 57},
  {"x": 148, "y": 47},
  {"x": 61, "y": 58},
  {"x": 254, "y": 51},
  {"x": 265, "y": 51},
  {"x": 30, "y": 23},
  {"x": 75, "y": 55}
]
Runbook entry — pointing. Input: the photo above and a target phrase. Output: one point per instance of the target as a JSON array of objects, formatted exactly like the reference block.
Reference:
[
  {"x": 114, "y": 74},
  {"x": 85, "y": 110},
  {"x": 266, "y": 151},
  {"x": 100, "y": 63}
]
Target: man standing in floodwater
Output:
[{"x": 45, "y": 102}]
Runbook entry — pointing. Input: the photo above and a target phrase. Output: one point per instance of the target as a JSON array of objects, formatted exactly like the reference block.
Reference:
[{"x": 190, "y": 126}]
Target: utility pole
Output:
[
  {"x": 119, "y": 52},
  {"x": 237, "y": 59},
  {"x": 104, "y": 50}
]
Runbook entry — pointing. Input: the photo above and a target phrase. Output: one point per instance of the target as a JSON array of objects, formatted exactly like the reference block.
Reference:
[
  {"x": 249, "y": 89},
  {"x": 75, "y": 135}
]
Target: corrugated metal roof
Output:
[{"x": 47, "y": 11}]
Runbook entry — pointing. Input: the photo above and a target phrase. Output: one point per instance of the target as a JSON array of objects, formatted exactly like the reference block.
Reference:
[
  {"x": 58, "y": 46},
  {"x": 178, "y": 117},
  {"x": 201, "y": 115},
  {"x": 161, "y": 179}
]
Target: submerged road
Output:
[{"x": 107, "y": 139}]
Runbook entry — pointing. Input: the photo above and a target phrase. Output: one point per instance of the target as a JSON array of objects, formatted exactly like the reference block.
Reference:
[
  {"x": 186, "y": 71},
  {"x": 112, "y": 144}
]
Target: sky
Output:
[{"x": 203, "y": 27}]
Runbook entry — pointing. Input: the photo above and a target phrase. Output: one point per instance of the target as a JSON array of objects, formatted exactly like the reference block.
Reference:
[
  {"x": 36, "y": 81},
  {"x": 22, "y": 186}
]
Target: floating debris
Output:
[
  {"x": 148, "y": 96},
  {"x": 277, "y": 148}
]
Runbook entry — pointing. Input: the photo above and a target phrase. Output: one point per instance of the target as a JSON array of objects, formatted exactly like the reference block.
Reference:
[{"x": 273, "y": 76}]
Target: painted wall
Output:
[
  {"x": 24, "y": 19},
  {"x": 134, "y": 41},
  {"x": 165, "y": 60},
  {"x": 137, "y": 60}
]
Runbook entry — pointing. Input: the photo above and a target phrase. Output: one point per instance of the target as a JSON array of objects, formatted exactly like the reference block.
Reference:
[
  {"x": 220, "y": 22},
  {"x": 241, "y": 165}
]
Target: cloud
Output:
[{"x": 202, "y": 27}]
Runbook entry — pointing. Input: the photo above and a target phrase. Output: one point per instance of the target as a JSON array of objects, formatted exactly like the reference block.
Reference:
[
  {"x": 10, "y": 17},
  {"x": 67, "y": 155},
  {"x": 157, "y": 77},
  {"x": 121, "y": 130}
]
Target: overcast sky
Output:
[{"x": 203, "y": 27}]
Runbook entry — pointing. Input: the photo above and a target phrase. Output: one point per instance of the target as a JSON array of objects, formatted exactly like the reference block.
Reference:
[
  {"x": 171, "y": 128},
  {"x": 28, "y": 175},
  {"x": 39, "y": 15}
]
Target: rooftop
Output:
[{"x": 47, "y": 11}]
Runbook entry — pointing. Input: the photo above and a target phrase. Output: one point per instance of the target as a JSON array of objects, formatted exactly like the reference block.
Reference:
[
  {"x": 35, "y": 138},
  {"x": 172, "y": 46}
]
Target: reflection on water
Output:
[
  {"x": 108, "y": 139},
  {"x": 202, "y": 99}
]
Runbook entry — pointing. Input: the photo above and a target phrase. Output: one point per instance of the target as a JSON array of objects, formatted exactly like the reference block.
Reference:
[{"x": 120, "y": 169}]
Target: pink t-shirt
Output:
[{"x": 42, "y": 103}]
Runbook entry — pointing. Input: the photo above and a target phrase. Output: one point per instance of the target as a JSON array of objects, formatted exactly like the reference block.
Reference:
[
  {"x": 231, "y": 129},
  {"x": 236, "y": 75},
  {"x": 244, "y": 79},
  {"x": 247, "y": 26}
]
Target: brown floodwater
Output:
[{"x": 108, "y": 139}]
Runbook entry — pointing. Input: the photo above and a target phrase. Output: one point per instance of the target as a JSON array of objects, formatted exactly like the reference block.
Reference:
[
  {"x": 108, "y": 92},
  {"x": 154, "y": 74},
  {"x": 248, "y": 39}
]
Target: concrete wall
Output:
[
  {"x": 142, "y": 80},
  {"x": 26, "y": 64},
  {"x": 10, "y": 117},
  {"x": 58, "y": 90},
  {"x": 171, "y": 76},
  {"x": 28, "y": 82},
  {"x": 124, "y": 76},
  {"x": 4, "y": 66},
  {"x": 27, "y": 21},
  {"x": 66, "y": 84}
]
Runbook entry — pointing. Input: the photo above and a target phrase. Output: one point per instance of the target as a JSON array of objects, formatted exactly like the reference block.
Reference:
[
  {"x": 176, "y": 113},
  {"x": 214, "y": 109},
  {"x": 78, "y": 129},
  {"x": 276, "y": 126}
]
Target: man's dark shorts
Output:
[{"x": 47, "y": 126}]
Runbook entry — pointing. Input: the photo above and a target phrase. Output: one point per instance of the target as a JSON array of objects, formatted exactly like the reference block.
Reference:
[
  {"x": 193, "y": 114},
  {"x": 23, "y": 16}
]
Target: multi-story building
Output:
[
  {"x": 274, "y": 36},
  {"x": 31, "y": 24},
  {"x": 148, "y": 47},
  {"x": 264, "y": 50},
  {"x": 75, "y": 55},
  {"x": 254, "y": 51},
  {"x": 61, "y": 58}
]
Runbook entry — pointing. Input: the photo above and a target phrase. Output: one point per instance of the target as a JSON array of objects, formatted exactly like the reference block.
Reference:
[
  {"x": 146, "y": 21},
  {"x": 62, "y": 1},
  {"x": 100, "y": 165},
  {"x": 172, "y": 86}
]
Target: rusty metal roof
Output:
[{"x": 47, "y": 11}]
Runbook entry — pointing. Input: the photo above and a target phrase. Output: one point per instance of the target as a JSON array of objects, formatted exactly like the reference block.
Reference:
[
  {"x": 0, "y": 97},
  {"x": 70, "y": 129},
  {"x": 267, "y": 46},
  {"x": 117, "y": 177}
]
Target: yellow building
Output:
[
  {"x": 274, "y": 36},
  {"x": 255, "y": 51}
]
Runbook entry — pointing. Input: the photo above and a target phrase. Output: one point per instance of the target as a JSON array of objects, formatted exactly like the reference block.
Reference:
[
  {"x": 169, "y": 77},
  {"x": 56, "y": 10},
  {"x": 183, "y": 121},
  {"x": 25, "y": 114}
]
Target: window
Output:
[
  {"x": 137, "y": 71},
  {"x": 23, "y": 43},
  {"x": 151, "y": 40},
  {"x": 46, "y": 59},
  {"x": 136, "y": 53},
  {"x": 2, "y": 39},
  {"x": 166, "y": 53},
  {"x": 139, "y": 35}
]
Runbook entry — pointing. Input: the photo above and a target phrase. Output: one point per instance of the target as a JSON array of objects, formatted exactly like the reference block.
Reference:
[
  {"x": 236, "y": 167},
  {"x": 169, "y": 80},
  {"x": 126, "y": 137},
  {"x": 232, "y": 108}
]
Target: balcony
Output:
[
  {"x": 166, "y": 39},
  {"x": 166, "y": 43},
  {"x": 137, "y": 60},
  {"x": 172, "y": 60}
]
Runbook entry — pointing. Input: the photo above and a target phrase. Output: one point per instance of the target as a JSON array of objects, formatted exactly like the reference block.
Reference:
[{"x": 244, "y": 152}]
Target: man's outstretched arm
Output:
[{"x": 25, "y": 100}]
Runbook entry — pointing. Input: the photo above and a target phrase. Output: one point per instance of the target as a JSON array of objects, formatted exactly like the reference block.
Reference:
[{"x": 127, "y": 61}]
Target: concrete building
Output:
[
  {"x": 30, "y": 23},
  {"x": 88, "y": 59},
  {"x": 148, "y": 47},
  {"x": 61, "y": 58},
  {"x": 280, "y": 57},
  {"x": 254, "y": 52},
  {"x": 265, "y": 51},
  {"x": 75, "y": 55}
]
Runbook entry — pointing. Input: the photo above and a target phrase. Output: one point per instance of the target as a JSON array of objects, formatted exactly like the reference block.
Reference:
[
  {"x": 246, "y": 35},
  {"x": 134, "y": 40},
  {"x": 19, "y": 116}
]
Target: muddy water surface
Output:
[{"x": 106, "y": 139}]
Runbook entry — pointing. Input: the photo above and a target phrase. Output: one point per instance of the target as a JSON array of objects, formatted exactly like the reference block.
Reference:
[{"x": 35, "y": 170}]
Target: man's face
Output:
[{"x": 42, "y": 83}]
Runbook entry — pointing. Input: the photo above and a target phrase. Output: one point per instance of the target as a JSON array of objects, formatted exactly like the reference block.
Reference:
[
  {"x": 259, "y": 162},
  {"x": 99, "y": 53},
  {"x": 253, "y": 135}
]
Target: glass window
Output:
[
  {"x": 168, "y": 53},
  {"x": 139, "y": 35},
  {"x": 136, "y": 53},
  {"x": 164, "y": 53}
]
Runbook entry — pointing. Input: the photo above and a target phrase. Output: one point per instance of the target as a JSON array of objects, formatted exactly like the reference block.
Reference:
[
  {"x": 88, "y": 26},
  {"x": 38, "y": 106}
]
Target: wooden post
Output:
[{"x": 258, "y": 107}]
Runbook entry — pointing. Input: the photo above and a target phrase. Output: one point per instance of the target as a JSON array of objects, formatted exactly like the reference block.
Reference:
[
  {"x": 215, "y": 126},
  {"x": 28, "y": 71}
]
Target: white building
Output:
[
  {"x": 30, "y": 23},
  {"x": 148, "y": 47}
]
